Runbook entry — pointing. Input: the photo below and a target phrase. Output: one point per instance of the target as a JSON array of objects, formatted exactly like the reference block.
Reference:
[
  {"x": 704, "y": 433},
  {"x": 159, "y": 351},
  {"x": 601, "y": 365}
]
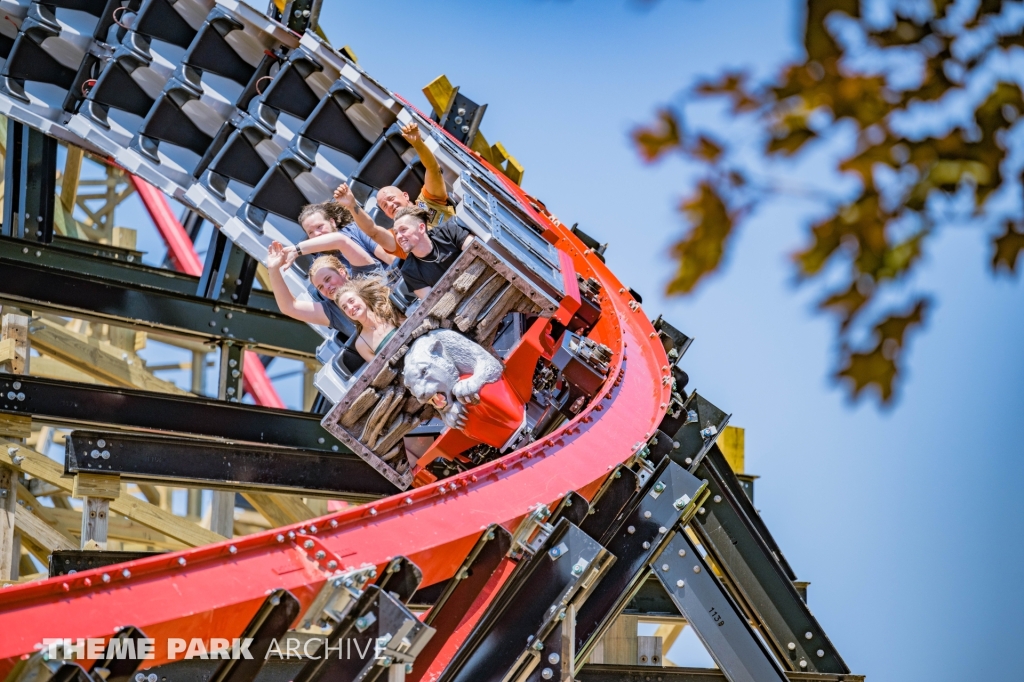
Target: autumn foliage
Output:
[{"x": 908, "y": 178}]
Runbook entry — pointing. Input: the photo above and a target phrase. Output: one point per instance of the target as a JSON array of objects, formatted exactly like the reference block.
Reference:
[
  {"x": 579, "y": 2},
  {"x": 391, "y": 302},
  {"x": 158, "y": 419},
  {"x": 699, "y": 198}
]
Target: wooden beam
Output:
[
  {"x": 280, "y": 510},
  {"x": 40, "y": 532},
  {"x": 15, "y": 327},
  {"x": 619, "y": 644},
  {"x": 222, "y": 512},
  {"x": 8, "y": 351},
  {"x": 669, "y": 633},
  {"x": 99, "y": 359},
  {"x": 69, "y": 183},
  {"x": 95, "y": 517},
  {"x": 100, "y": 486},
  {"x": 15, "y": 426},
  {"x": 150, "y": 492},
  {"x": 52, "y": 368},
  {"x": 40, "y": 466},
  {"x": 69, "y": 523},
  {"x": 10, "y": 548}
]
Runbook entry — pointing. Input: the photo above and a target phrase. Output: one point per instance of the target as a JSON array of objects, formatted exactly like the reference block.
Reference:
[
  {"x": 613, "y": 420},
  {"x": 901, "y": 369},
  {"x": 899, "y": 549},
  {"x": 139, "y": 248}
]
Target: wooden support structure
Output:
[
  {"x": 280, "y": 510},
  {"x": 51, "y": 368},
  {"x": 68, "y": 522},
  {"x": 222, "y": 513},
  {"x": 96, "y": 491},
  {"x": 619, "y": 644},
  {"x": 99, "y": 359},
  {"x": 38, "y": 532},
  {"x": 732, "y": 443},
  {"x": 10, "y": 547},
  {"x": 14, "y": 358},
  {"x": 438, "y": 92},
  {"x": 649, "y": 650},
  {"x": 15, "y": 426},
  {"x": 40, "y": 466},
  {"x": 14, "y": 327},
  {"x": 69, "y": 182}
]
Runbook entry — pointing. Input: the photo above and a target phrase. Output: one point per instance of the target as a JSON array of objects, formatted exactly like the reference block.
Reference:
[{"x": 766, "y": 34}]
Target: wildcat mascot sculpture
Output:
[{"x": 448, "y": 370}]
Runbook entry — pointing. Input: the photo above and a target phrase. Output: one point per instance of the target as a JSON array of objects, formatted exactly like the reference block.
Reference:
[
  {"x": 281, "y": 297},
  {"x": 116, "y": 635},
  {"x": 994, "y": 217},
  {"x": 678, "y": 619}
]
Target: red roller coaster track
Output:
[{"x": 214, "y": 591}]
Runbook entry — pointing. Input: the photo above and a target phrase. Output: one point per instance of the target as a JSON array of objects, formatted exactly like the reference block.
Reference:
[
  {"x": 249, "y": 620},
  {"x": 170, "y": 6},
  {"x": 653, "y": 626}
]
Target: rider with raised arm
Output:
[{"x": 433, "y": 198}]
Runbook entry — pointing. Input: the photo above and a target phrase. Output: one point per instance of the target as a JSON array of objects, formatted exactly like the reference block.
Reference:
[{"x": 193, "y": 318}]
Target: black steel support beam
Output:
[
  {"x": 669, "y": 497},
  {"x": 121, "y": 408},
  {"x": 696, "y": 427},
  {"x": 375, "y": 618},
  {"x": 707, "y": 607},
  {"x": 229, "y": 386},
  {"x": 278, "y": 611},
  {"x": 509, "y": 640},
  {"x": 37, "y": 287},
  {"x": 633, "y": 673},
  {"x": 228, "y": 273},
  {"x": 480, "y": 568},
  {"x": 213, "y": 464},
  {"x": 743, "y": 548},
  {"x": 113, "y": 264},
  {"x": 30, "y": 175}
]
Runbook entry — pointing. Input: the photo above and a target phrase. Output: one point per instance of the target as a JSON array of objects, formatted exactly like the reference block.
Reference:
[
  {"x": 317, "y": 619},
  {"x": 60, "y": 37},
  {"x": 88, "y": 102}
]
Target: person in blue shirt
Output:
[
  {"x": 329, "y": 228},
  {"x": 327, "y": 274}
]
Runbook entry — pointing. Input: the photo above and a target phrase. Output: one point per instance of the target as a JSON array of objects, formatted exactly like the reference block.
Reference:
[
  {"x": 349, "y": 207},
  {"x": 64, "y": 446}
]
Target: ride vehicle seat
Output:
[{"x": 348, "y": 361}]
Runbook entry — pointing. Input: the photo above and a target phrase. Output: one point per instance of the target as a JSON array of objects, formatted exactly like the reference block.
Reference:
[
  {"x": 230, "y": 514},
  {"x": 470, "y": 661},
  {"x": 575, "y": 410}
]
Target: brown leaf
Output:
[
  {"x": 880, "y": 366},
  {"x": 846, "y": 304},
  {"x": 732, "y": 84},
  {"x": 706, "y": 149},
  {"x": 869, "y": 369},
  {"x": 1008, "y": 247},
  {"x": 861, "y": 220},
  {"x": 790, "y": 134},
  {"x": 700, "y": 251},
  {"x": 659, "y": 138},
  {"x": 817, "y": 39},
  {"x": 895, "y": 327}
]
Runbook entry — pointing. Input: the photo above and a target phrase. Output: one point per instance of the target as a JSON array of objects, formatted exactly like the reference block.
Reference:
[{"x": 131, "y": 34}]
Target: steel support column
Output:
[
  {"x": 707, "y": 607},
  {"x": 30, "y": 183}
]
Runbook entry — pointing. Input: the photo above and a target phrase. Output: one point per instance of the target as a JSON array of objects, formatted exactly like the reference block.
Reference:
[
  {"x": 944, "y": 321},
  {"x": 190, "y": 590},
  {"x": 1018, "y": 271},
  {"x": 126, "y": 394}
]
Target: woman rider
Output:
[
  {"x": 365, "y": 301},
  {"x": 327, "y": 274}
]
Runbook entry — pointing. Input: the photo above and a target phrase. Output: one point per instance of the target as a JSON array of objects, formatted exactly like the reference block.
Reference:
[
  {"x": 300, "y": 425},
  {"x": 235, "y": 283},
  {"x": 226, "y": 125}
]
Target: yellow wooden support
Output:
[
  {"x": 14, "y": 327},
  {"x": 51, "y": 368},
  {"x": 731, "y": 442},
  {"x": 15, "y": 426},
  {"x": 102, "y": 486},
  {"x": 618, "y": 645},
  {"x": 280, "y": 510},
  {"x": 69, "y": 183},
  {"x": 40, "y": 533},
  {"x": 10, "y": 543},
  {"x": 438, "y": 93},
  {"x": 69, "y": 523},
  {"x": 8, "y": 351}
]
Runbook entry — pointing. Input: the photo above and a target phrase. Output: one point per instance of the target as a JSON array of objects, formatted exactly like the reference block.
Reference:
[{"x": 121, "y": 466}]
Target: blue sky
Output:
[{"x": 905, "y": 521}]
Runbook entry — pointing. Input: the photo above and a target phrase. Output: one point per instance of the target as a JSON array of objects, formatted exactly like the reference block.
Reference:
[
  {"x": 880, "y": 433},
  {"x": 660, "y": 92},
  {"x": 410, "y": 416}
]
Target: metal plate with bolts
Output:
[{"x": 707, "y": 607}]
